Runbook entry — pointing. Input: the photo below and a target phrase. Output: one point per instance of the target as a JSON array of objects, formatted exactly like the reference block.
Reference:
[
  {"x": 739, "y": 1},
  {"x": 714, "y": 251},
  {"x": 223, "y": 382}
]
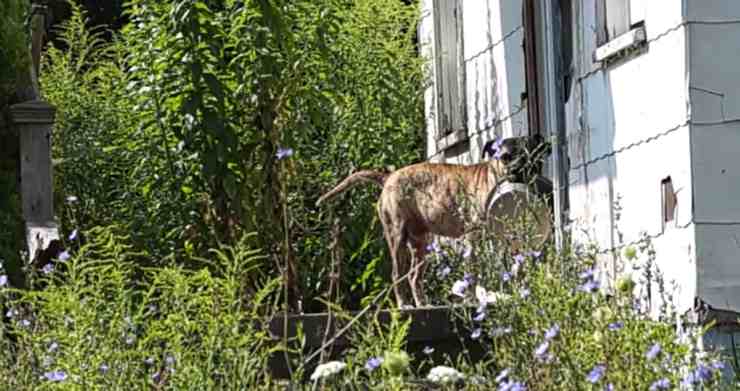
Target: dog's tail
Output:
[{"x": 377, "y": 177}]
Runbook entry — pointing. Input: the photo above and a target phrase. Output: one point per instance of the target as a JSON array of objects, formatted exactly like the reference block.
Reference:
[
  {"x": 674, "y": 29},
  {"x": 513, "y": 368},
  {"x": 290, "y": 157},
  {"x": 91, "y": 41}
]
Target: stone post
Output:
[{"x": 33, "y": 121}]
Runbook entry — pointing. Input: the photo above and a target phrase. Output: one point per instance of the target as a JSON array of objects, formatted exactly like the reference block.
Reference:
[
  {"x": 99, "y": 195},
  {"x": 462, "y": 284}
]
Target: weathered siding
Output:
[{"x": 627, "y": 131}]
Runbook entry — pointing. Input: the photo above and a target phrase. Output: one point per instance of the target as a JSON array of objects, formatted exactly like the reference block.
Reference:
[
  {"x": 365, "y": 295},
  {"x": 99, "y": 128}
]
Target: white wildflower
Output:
[
  {"x": 444, "y": 375},
  {"x": 488, "y": 297},
  {"x": 328, "y": 369},
  {"x": 459, "y": 287}
]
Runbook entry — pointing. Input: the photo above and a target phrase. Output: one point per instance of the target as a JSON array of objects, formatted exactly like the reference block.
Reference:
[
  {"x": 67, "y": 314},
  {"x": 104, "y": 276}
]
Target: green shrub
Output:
[
  {"x": 13, "y": 44},
  {"x": 102, "y": 322}
]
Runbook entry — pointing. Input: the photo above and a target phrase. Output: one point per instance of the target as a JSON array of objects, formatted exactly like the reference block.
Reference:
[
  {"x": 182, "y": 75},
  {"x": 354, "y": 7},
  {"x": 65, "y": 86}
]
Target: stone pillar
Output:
[{"x": 33, "y": 121}]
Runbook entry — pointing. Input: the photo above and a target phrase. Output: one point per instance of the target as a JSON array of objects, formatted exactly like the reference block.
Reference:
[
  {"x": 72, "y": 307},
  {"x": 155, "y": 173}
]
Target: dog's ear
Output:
[{"x": 487, "y": 149}]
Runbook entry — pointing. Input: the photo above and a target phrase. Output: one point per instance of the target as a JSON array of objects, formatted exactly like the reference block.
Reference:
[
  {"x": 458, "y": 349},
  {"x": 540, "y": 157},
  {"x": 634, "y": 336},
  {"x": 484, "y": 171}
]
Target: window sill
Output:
[
  {"x": 452, "y": 139},
  {"x": 617, "y": 46}
]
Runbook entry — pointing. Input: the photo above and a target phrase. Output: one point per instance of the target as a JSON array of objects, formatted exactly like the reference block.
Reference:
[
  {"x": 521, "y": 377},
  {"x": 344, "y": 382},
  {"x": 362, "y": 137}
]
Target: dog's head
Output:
[{"x": 522, "y": 156}]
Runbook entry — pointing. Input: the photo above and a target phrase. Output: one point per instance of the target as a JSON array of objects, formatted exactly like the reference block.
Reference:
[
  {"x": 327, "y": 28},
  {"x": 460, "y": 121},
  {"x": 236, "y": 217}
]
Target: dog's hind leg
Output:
[
  {"x": 418, "y": 265},
  {"x": 396, "y": 239}
]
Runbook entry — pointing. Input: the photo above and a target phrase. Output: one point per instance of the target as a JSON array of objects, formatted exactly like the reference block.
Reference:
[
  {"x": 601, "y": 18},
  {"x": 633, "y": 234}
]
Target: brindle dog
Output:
[{"x": 427, "y": 199}]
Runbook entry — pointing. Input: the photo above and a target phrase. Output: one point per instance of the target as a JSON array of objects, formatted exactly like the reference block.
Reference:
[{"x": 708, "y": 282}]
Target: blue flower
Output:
[
  {"x": 596, "y": 374},
  {"x": 55, "y": 376},
  {"x": 103, "y": 368},
  {"x": 476, "y": 333},
  {"x": 588, "y": 274},
  {"x": 428, "y": 350},
  {"x": 653, "y": 351},
  {"x": 11, "y": 313},
  {"x": 512, "y": 386},
  {"x": 373, "y": 363},
  {"x": 518, "y": 258},
  {"x": 25, "y": 323},
  {"x": 718, "y": 365},
  {"x": 282, "y": 153},
  {"x": 503, "y": 375},
  {"x": 662, "y": 384},
  {"x": 445, "y": 271},
  {"x": 72, "y": 236},
  {"x": 703, "y": 372},
  {"x": 467, "y": 251},
  {"x": 48, "y": 268},
  {"x": 434, "y": 247},
  {"x": 64, "y": 256},
  {"x": 467, "y": 277},
  {"x": 609, "y": 387},
  {"x": 589, "y": 286},
  {"x": 552, "y": 332},
  {"x": 615, "y": 326},
  {"x": 3, "y": 280},
  {"x": 506, "y": 276},
  {"x": 542, "y": 349},
  {"x": 480, "y": 314}
]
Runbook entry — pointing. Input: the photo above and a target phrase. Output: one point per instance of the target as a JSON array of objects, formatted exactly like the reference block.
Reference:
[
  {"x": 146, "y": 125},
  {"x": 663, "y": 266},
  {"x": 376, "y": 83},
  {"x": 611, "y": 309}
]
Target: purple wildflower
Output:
[
  {"x": 103, "y": 368},
  {"x": 480, "y": 314},
  {"x": 587, "y": 275},
  {"x": 703, "y": 372},
  {"x": 535, "y": 254},
  {"x": 689, "y": 380},
  {"x": 282, "y": 153},
  {"x": 48, "y": 268},
  {"x": 552, "y": 332},
  {"x": 615, "y": 326},
  {"x": 524, "y": 293},
  {"x": 64, "y": 256},
  {"x": 3, "y": 280},
  {"x": 428, "y": 350},
  {"x": 72, "y": 236},
  {"x": 662, "y": 384},
  {"x": 373, "y": 363},
  {"x": 11, "y": 313},
  {"x": 596, "y": 374},
  {"x": 55, "y": 376},
  {"x": 518, "y": 258},
  {"x": 467, "y": 277},
  {"x": 476, "y": 333},
  {"x": 589, "y": 286},
  {"x": 503, "y": 375},
  {"x": 445, "y": 271},
  {"x": 609, "y": 387},
  {"x": 434, "y": 247},
  {"x": 25, "y": 323},
  {"x": 467, "y": 251},
  {"x": 505, "y": 276},
  {"x": 718, "y": 365},
  {"x": 512, "y": 386},
  {"x": 653, "y": 351},
  {"x": 542, "y": 349}
]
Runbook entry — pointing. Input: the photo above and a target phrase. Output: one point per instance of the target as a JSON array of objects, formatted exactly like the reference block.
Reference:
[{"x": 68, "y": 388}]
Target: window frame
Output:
[{"x": 450, "y": 103}]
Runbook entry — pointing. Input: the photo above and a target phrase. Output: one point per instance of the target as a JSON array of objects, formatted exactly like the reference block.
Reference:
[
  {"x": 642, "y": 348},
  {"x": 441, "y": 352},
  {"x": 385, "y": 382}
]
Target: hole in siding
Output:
[{"x": 669, "y": 201}]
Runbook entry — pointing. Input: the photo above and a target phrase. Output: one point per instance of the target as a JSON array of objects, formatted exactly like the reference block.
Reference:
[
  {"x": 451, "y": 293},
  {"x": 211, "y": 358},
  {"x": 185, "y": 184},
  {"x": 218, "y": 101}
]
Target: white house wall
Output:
[
  {"x": 626, "y": 135},
  {"x": 714, "y": 54},
  {"x": 493, "y": 61}
]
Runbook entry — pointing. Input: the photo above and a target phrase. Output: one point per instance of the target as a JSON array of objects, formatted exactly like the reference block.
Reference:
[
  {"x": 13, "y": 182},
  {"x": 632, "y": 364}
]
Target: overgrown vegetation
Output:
[
  {"x": 173, "y": 129},
  {"x": 189, "y": 151},
  {"x": 13, "y": 44}
]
